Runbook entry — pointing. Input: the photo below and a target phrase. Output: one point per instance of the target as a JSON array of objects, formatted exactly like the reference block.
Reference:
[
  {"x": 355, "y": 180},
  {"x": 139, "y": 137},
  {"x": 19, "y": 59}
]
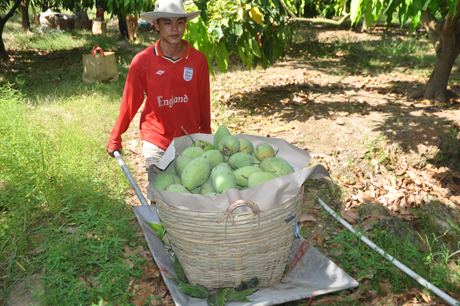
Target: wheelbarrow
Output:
[{"x": 310, "y": 273}]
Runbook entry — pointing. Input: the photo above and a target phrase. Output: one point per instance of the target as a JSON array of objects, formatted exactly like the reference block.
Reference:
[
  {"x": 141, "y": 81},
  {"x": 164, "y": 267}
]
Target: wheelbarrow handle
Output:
[{"x": 130, "y": 178}]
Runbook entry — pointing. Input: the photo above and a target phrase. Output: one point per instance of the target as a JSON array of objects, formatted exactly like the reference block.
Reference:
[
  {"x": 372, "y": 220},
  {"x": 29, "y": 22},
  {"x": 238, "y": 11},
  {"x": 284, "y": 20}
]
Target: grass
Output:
[
  {"x": 61, "y": 200},
  {"x": 63, "y": 213},
  {"x": 439, "y": 264}
]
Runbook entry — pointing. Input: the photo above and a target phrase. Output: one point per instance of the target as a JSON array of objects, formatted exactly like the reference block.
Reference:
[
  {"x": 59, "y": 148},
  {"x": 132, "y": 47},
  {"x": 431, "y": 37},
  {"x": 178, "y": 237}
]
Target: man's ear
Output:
[{"x": 155, "y": 24}]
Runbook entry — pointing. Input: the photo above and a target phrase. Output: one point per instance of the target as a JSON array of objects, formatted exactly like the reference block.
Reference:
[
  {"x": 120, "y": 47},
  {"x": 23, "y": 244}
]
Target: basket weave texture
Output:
[{"x": 218, "y": 255}]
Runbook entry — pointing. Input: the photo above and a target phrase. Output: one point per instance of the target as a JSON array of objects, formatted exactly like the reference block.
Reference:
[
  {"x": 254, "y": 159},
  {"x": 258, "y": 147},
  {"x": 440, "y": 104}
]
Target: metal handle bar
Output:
[{"x": 130, "y": 178}]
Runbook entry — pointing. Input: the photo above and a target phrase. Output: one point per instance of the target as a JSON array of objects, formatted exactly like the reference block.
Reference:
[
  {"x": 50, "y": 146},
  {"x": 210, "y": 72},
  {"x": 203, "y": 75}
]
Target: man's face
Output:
[{"x": 171, "y": 29}]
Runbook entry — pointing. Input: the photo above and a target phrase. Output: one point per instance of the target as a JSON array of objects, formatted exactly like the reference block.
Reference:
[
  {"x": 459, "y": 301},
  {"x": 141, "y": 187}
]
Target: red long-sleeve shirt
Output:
[{"x": 177, "y": 95}]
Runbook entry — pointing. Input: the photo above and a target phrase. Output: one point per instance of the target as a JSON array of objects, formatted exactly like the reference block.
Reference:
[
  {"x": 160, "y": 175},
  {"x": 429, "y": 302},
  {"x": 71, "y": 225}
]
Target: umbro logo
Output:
[{"x": 160, "y": 72}]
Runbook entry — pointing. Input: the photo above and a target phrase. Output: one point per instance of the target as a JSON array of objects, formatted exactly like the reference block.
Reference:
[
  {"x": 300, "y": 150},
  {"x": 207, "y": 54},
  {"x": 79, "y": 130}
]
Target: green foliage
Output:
[
  {"x": 240, "y": 296},
  {"x": 218, "y": 298},
  {"x": 356, "y": 258},
  {"x": 180, "y": 271},
  {"x": 254, "y": 30},
  {"x": 198, "y": 291},
  {"x": 405, "y": 10},
  {"x": 252, "y": 283},
  {"x": 158, "y": 228}
]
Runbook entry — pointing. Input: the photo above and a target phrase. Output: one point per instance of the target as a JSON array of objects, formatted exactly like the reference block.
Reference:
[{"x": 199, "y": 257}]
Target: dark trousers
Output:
[{"x": 122, "y": 26}]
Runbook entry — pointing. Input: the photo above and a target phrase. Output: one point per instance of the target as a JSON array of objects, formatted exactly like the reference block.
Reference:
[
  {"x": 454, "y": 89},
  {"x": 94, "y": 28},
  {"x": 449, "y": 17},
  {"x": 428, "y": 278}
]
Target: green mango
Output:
[
  {"x": 176, "y": 179},
  {"x": 205, "y": 145},
  {"x": 181, "y": 162},
  {"x": 241, "y": 187},
  {"x": 263, "y": 150},
  {"x": 172, "y": 168},
  {"x": 240, "y": 159},
  {"x": 193, "y": 152},
  {"x": 214, "y": 157},
  {"x": 242, "y": 174},
  {"x": 195, "y": 173},
  {"x": 222, "y": 179},
  {"x": 225, "y": 165},
  {"x": 207, "y": 187},
  {"x": 211, "y": 194},
  {"x": 221, "y": 132},
  {"x": 246, "y": 146},
  {"x": 276, "y": 165},
  {"x": 176, "y": 188},
  {"x": 229, "y": 145},
  {"x": 260, "y": 177},
  {"x": 196, "y": 190},
  {"x": 163, "y": 179}
]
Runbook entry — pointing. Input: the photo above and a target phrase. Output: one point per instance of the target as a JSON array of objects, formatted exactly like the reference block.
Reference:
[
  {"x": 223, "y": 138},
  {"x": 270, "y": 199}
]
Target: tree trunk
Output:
[
  {"x": 447, "y": 50},
  {"x": 25, "y": 14},
  {"x": 3, "y": 55}
]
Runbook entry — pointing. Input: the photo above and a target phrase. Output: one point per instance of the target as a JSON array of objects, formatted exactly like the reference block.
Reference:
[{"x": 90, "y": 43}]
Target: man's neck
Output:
[{"x": 172, "y": 51}]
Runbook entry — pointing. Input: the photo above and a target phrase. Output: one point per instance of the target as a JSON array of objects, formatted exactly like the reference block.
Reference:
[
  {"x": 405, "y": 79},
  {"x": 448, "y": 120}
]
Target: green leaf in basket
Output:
[
  {"x": 158, "y": 228},
  {"x": 252, "y": 283},
  {"x": 198, "y": 291},
  {"x": 166, "y": 240},
  {"x": 286, "y": 269},
  {"x": 217, "y": 298},
  {"x": 241, "y": 296},
  {"x": 242, "y": 286},
  {"x": 179, "y": 271}
]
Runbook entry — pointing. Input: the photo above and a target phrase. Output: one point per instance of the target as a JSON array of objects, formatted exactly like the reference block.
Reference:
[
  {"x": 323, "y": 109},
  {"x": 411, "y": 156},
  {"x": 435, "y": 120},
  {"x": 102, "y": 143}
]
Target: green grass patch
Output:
[{"x": 63, "y": 213}]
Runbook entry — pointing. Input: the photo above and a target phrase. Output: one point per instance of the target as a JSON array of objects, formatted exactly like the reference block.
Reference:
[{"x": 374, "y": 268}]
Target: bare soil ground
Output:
[{"x": 360, "y": 126}]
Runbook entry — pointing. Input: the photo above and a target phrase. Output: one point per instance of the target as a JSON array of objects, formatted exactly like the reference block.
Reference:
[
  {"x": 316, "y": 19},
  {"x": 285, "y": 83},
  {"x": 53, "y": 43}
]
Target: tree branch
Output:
[
  {"x": 290, "y": 13},
  {"x": 11, "y": 12},
  {"x": 323, "y": 20},
  {"x": 431, "y": 25},
  {"x": 450, "y": 20},
  {"x": 314, "y": 20}
]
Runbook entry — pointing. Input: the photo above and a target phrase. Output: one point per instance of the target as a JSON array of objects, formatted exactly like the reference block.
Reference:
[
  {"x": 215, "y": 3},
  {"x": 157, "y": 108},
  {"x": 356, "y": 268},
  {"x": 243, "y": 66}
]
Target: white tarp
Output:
[{"x": 310, "y": 272}]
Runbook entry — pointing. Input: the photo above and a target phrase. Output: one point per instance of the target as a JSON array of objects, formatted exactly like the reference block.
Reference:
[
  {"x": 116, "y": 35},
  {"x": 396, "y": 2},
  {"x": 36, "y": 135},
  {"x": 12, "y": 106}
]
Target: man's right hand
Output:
[{"x": 111, "y": 152}]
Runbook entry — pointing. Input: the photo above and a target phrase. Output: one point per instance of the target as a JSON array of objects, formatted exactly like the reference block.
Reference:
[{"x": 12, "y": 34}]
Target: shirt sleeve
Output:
[
  {"x": 205, "y": 99},
  {"x": 133, "y": 97}
]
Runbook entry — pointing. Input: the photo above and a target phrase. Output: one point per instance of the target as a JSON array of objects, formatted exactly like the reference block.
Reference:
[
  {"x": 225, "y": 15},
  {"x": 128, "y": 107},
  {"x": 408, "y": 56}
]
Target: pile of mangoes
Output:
[{"x": 229, "y": 162}]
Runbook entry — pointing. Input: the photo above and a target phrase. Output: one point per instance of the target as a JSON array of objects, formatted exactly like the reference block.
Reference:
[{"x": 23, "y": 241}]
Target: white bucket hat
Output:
[{"x": 169, "y": 9}]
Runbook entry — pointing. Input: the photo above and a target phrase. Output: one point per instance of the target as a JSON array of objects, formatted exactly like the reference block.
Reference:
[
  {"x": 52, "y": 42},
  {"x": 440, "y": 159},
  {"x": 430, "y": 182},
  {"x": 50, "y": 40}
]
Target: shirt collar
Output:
[{"x": 158, "y": 51}]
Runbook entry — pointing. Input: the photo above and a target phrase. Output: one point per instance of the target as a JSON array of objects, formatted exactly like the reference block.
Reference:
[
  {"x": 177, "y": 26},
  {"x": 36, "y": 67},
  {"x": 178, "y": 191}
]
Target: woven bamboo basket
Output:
[{"x": 241, "y": 246}]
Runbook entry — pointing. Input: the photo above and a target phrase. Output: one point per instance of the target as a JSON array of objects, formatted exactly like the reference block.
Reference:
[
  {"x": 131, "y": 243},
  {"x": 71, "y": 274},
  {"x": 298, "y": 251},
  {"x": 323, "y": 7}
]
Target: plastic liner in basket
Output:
[{"x": 241, "y": 246}]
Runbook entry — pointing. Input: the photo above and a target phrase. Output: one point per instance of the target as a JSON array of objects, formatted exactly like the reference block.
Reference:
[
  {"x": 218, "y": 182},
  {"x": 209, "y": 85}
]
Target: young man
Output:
[{"x": 174, "y": 77}]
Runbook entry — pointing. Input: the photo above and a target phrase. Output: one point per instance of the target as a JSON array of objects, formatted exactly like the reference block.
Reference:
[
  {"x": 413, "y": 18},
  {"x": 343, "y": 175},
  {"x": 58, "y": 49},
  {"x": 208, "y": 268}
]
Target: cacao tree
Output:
[{"x": 441, "y": 20}]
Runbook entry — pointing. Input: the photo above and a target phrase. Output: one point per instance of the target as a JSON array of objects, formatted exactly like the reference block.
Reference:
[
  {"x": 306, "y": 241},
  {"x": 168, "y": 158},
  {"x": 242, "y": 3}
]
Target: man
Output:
[
  {"x": 100, "y": 13},
  {"x": 174, "y": 77},
  {"x": 133, "y": 26}
]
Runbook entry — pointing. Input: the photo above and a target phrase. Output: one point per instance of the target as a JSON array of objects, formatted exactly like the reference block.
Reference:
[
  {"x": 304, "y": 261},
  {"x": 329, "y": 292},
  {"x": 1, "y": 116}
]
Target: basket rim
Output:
[{"x": 161, "y": 205}]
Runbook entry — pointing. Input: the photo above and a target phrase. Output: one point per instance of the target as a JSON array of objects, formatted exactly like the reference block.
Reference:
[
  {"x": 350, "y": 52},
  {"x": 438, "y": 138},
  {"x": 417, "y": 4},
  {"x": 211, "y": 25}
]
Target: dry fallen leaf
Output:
[
  {"x": 305, "y": 218},
  {"x": 364, "y": 198},
  {"x": 350, "y": 216}
]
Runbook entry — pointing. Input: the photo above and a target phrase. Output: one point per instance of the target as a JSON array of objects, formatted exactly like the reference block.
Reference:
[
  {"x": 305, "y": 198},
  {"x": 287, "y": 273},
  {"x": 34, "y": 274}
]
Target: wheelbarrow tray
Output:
[{"x": 310, "y": 272}]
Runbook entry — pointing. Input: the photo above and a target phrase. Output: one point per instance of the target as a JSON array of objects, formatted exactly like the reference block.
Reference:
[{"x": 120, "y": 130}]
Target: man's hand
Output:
[{"x": 111, "y": 152}]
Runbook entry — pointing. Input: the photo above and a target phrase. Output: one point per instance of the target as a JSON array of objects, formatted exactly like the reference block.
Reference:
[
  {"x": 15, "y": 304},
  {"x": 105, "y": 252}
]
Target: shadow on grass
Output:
[{"x": 56, "y": 75}]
